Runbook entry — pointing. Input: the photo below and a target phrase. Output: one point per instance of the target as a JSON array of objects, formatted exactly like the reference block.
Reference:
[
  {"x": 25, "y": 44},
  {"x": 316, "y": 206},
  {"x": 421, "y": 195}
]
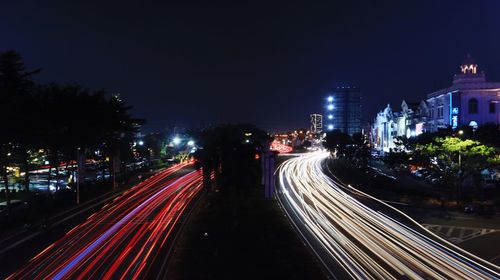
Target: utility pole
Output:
[
  {"x": 268, "y": 171},
  {"x": 78, "y": 168}
]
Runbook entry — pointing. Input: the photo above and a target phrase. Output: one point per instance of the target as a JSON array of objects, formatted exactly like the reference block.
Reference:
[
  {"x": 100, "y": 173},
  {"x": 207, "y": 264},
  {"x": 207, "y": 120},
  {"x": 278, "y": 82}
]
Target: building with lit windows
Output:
[
  {"x": 470, "y": 100},
  {"x": 316, "y": 123},
  {"x": 343, "y": 110}
]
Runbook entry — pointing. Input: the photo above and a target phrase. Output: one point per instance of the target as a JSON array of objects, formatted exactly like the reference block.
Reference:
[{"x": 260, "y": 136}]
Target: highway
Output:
[
  {"x": 363, "y": 237},
  {"x": 124, "y": 239}
]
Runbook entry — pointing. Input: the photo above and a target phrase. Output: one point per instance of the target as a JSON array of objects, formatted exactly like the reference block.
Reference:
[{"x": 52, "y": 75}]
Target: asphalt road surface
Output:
[
  {"x": 124, "y": 239},
  {"x": 367, "y": 237}
]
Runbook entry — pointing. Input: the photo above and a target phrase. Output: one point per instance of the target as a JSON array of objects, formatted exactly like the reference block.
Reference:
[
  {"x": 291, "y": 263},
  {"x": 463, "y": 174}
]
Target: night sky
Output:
[{"x": 199, "y": 63}]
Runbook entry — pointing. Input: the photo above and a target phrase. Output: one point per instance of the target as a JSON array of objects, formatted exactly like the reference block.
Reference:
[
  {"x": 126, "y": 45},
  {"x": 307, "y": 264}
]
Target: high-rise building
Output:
[
  {"x": 316, "y": 123},
  {"x": 343, "y": 110}
]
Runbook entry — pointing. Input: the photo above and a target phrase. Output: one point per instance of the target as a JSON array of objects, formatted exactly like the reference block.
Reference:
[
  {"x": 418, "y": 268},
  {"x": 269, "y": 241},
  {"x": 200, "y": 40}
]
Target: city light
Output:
[
  {"x": 330, "y": 106},
  {"x": 281, "y": 148},
  {"x": 330, "y": 98},
  {"x": 330, "y": 126},
  {"x": 176, "y": 140},
  {"x": 330, "y": 117},
  {"x": 140, "y": 143},
  {"x": 190, "y": 143},
  {"x": 369, "y": 242},
  {"x": 104, "y": 233}
]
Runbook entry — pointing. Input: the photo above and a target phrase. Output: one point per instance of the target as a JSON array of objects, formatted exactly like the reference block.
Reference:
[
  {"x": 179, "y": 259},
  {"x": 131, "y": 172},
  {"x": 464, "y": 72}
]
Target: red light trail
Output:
[
  {"x": 281, "y": 148},
  {"x": 123, "y": 239}
]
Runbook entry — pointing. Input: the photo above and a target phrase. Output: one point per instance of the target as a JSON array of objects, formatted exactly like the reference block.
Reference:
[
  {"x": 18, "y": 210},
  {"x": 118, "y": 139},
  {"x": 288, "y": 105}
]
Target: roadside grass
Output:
[
  {"x": 241, "y": 235},
  {"x": 404, "y": 190}
]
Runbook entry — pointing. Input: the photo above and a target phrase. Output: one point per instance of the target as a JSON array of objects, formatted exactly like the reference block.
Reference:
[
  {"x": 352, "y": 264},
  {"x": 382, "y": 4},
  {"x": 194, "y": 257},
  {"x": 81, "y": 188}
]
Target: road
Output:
[
  {"x": 124, "y": 239},
  {"x": 366, "y": 237}
]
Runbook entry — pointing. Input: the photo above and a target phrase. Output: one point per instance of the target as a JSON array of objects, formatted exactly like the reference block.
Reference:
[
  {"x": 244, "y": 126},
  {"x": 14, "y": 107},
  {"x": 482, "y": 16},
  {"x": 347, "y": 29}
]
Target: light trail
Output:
[
  {"x": 123, "y": 239},
  {"x": 366, "y": 243}
]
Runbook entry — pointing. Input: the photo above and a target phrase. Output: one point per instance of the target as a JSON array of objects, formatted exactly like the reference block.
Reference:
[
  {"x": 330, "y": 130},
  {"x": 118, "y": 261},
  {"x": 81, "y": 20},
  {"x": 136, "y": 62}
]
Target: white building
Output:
[
  {"x": 470, "y": 100},
  {"x": 389, "y": 125},
  {"x": 384, "y": 130}
]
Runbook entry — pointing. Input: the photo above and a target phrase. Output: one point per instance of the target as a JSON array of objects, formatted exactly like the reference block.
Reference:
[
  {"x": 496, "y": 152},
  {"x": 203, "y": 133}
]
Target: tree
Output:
[
  {"x": 230, "y": 150},
  {"x": 15, "y": 110},
  {"x": 459, "y": 159},
  {"x": 336, "y": 142},
  {"x": 77, "y": 118},
  {"x": 488, "y": 134}
]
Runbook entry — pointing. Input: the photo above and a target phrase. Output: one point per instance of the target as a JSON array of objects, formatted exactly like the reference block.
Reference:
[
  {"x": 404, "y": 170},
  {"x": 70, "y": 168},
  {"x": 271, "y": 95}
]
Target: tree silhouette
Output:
[
  {"x": 16, "y": 110},
  {"x": 57, "y": 119}
]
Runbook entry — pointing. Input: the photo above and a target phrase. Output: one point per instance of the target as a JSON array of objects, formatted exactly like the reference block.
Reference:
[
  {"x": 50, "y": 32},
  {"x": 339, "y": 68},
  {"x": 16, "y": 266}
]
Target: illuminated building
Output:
[
  {"x": 470, "y": 100},
  {"x": 343, "y": 110},
  {"x": 316, "y": 123},
  {"x": 388, "y": 125}
]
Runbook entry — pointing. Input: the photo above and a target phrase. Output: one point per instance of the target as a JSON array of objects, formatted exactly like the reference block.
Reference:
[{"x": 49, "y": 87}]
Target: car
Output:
[
  {"x": 435, "y": 181},
  {"x": 469, "y": 208},
  {"x": 421, "y": 173},
  {"x": 490, "y": 184}
]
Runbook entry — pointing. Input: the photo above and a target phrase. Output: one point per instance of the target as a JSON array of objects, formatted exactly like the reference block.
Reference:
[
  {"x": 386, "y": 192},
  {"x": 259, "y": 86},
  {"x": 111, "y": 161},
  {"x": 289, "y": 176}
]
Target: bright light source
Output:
[
  {"x": 330, "y": 117},
  {"x": 140, "y": 143},
  {"x": 190, "y": 143},
  {"x": 330, "y": 106},
  {"x": 330, "y": 126},
  {"x": 247, "y": 141},
  {"x": 460, "y": 132},
  {"x": 330, "y": 98},
  {"x": 176, "y": 140}
]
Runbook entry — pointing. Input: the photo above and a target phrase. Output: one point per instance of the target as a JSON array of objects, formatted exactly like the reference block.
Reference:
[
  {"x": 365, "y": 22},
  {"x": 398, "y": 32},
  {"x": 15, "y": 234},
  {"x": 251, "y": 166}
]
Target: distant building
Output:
[
  {"x": 343, "y": 110},
  {"x": 384, "y": 130},
  {"x": 316, "y": 123},
  {"x": 470, "y": 100},
  {"x": 388, "y": 125}
]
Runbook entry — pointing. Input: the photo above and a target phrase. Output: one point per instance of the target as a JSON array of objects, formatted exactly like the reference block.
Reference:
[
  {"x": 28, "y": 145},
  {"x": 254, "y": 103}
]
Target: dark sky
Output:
[{"x": 270, "y": 63}]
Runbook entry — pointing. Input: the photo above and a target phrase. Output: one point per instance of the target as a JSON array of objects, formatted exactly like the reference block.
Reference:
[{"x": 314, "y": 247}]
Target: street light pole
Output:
[
  {"x": 78, "y": 176},
  {"x": 458, "y": 183}
]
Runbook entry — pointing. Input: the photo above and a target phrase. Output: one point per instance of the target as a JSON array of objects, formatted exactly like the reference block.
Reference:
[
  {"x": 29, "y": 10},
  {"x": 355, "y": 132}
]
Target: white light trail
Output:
[{"x": 366, "y": 243}]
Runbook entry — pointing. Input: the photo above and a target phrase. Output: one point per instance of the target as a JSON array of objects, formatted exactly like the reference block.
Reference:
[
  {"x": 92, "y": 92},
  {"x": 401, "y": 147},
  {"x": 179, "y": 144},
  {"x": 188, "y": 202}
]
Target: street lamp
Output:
[
  {"x": 176, "y": 140},
  {"x": 190, "y": 143},
  {"x": 460, "y": 132}
]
